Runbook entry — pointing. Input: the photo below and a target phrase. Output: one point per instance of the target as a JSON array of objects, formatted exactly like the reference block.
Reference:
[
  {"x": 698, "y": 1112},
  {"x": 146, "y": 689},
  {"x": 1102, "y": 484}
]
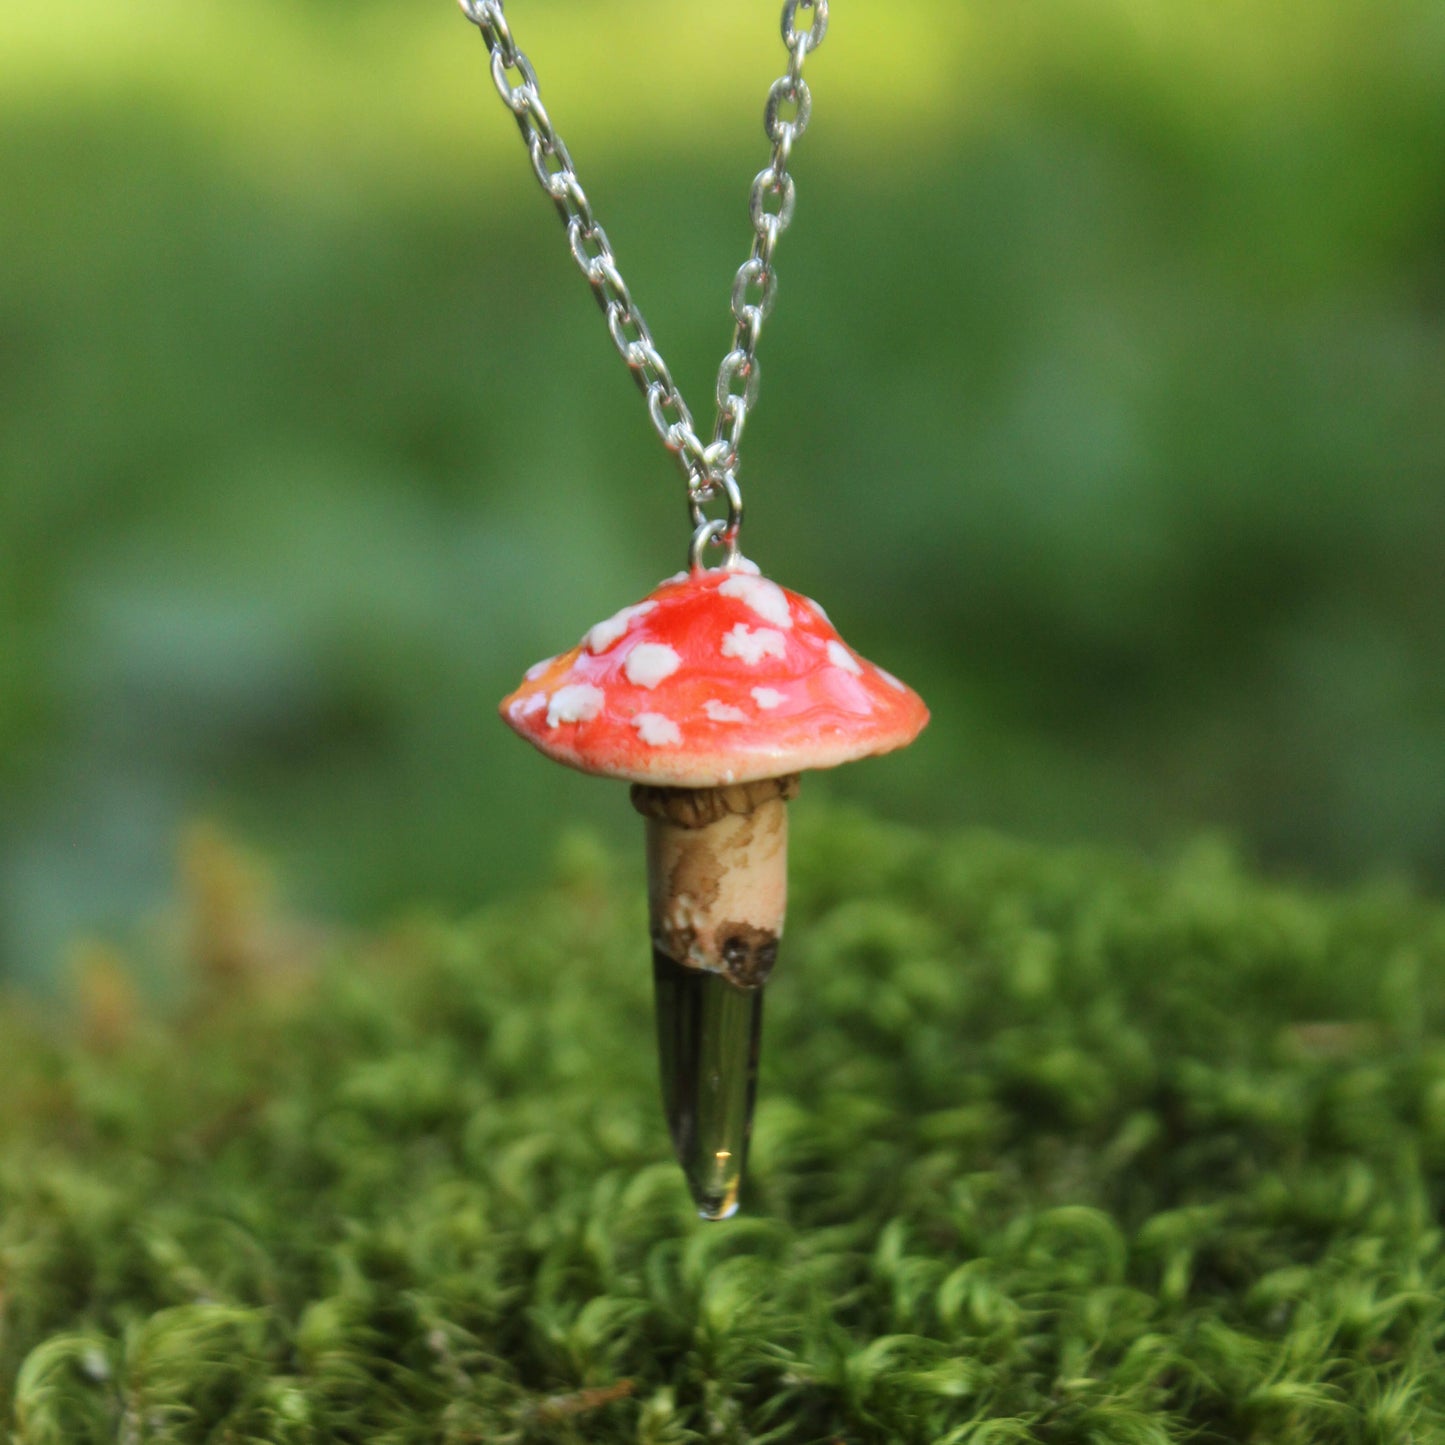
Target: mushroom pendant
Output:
[{"x": 711, "y": 696}]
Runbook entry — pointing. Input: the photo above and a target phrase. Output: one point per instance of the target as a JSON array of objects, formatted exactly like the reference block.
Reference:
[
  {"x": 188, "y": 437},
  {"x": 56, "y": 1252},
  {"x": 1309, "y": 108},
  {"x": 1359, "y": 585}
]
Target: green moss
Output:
[{"x": 1053, "y": 1147}]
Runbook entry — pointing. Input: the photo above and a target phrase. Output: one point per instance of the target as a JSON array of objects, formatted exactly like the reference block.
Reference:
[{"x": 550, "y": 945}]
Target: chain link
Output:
[{"x": 710, "y": 470}]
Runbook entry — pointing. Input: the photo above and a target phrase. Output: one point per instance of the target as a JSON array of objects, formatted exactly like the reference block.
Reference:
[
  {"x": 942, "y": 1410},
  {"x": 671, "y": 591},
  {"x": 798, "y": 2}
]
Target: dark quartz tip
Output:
[{"x": 708, "y": 1033}]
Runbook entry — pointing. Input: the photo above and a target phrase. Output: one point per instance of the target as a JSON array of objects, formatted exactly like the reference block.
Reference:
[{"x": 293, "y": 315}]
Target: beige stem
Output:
[{"x": 717, "y": 874}]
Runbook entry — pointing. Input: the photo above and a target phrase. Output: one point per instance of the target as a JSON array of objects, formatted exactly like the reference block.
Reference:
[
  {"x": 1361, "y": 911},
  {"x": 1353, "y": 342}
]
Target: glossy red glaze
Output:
[{"x": 702, "y": 724}]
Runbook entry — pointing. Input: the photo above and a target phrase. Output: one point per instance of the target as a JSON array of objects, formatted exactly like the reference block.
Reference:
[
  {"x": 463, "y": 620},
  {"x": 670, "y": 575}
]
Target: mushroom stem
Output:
[
  {"x": 717, "y": 874},
  {"x": 717, "y": 891}
]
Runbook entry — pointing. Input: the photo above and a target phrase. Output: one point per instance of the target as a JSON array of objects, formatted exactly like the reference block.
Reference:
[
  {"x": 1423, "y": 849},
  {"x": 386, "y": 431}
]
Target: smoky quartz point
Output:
[{"x": 708, "y": 1035}]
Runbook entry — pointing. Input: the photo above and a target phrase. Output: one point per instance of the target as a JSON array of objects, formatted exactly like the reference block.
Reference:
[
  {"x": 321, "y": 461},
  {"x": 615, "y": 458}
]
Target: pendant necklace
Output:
[{"x": 712, "y": 694}]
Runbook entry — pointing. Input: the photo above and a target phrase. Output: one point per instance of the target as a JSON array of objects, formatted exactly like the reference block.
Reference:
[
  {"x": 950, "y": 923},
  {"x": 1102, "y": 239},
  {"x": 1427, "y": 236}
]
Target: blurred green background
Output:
[{"x": 1104, "y": 401}]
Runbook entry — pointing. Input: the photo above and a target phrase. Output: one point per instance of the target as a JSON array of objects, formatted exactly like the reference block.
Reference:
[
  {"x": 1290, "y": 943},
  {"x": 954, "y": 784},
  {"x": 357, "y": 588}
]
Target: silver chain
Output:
[{"x": 712, "y": 468}]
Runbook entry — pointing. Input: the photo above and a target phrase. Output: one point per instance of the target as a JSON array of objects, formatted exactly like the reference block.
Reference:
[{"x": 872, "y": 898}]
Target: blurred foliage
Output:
[
  {"x": 1105, "y": 402},
  {"x": 1053, "y": 1148}
]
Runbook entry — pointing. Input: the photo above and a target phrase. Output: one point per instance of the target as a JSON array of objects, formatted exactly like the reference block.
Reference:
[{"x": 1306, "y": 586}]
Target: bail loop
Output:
[{"x": 719, "y": 531}]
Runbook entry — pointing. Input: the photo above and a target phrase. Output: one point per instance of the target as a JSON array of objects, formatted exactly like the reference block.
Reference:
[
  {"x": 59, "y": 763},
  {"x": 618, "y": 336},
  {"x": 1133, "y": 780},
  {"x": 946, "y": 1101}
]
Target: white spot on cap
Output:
[
  {"x": 752, "y": 645},
  {"x": 891, "y": 680},
  {"x": 767, "y": 697},
  {"x": 538, "y": 668},
  {"x": 528, "y": 706},
  {"x": 656, "y": 730},
  {"x": 839, "y": 656},
  {"x": 765, "y": 598},
  {"x": 604, "y": 634},
  {"x": 649, "y": 662},
  {"x": 577, "y": 702},
  {"x": 724, "y": 712},
  {"x": 745, "y": 564},
  {"x": 818, "y": 608}
]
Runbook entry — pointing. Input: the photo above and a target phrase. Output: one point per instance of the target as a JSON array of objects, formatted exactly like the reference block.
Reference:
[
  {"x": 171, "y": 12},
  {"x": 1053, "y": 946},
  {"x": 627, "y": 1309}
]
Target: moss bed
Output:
[{"x": 1052, "y": 1146}]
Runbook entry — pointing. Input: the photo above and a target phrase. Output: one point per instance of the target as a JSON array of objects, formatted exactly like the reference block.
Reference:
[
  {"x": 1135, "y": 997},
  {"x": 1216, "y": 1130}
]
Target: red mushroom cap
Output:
[{"x": 718, "y": 677}]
